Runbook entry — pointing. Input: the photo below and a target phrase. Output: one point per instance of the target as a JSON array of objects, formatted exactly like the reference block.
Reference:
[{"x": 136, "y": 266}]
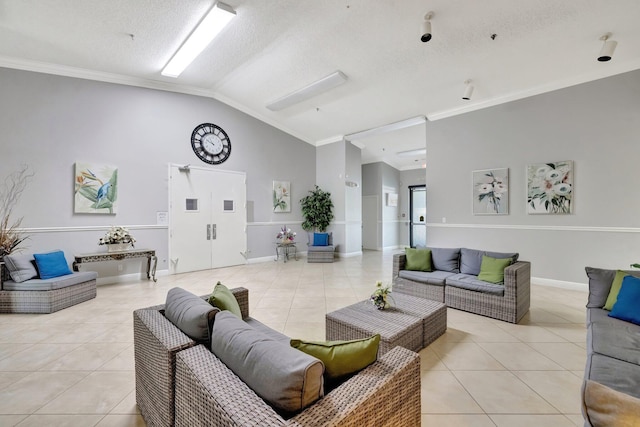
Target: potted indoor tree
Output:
[{"x": 317, "y": 210}]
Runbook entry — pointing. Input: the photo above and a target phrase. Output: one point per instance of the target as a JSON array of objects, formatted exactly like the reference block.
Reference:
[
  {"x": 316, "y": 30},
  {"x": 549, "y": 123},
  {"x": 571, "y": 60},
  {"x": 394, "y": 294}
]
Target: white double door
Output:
[{"x": 208, "y": 220}]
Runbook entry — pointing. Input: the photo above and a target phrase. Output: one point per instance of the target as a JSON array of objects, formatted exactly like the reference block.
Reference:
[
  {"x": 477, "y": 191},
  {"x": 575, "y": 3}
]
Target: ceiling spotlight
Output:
[
  {"x": 468, "y": 91},
  {"x": 607, "y": 48},
  {"x": 425, "y": 34}
]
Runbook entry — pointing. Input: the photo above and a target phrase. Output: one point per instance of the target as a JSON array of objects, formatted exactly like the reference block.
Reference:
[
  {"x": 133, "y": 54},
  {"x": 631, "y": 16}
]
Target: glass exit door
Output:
[{"x": 418, "y": 215}]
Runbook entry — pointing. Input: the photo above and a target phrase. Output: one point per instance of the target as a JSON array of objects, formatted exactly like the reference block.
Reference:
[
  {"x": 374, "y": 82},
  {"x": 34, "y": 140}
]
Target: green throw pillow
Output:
[
  {"x": 341, "y": 358},
  {"x": 224, "y": 299},
  {"x": 492, "y": 269},
  {"x": 418, "y": 259},
  {"x": 615, "y": 289}
]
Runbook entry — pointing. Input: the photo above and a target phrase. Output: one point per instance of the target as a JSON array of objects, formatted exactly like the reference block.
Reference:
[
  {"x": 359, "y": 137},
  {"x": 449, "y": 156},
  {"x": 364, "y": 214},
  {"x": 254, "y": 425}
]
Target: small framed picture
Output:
[
  {"x": 550, "y": 188},
  {"x": 491, "y": 192},
  {"x": 281, "y": 196}
]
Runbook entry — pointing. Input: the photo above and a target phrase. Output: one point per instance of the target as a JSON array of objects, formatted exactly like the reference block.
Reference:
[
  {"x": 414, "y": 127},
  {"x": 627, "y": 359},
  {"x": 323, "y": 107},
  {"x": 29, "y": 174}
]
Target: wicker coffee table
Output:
[{"x": 410, "y": 322}]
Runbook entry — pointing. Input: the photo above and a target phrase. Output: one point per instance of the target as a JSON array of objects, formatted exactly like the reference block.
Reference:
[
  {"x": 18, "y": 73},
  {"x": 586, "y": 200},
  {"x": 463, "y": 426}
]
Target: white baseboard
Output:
[{"x": 560, "y": 284}]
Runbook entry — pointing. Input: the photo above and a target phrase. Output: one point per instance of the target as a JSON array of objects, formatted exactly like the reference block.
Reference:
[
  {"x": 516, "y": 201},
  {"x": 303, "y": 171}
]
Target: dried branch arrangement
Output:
[{"x": 10, "y": 192}]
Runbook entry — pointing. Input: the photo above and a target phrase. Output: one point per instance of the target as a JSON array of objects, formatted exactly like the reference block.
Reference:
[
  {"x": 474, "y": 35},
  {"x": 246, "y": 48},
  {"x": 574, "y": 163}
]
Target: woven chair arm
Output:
[
  {"x": 242, "y": 296},
  {"x": 151, "y": 326},
  {"x": 517, "y": 279},
  {"x": 399, "y": 262},
  {"x": 387, "y": 393}
]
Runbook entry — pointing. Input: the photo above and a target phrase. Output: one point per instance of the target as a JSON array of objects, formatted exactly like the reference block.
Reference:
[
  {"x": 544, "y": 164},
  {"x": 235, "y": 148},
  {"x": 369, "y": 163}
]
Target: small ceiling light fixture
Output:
[
  {"x": 607, "y": 48},
  {"x": 468, "y": 91},
  {"x": 425, "y": 34},
  {"x": 210, "y": 26},
  {"x": 325, "y": 84}
]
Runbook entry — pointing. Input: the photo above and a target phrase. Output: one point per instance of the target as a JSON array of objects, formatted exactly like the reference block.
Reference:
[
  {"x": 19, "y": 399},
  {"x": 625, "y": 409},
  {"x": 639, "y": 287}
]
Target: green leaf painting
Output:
[{"x": 96, "y": 189}]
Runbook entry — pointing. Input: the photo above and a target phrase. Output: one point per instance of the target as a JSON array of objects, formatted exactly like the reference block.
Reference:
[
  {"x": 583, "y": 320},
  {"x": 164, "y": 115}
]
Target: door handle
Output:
[
  {"x": 208, "y": 231},
  {"x": 214, "y": 228}
]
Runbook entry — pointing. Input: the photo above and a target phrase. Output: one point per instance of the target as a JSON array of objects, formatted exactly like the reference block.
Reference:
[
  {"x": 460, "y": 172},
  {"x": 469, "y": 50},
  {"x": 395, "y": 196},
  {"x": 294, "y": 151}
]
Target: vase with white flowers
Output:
[
  {"x": 117, "y": 239},
  {"x": 380, "y": 296}
]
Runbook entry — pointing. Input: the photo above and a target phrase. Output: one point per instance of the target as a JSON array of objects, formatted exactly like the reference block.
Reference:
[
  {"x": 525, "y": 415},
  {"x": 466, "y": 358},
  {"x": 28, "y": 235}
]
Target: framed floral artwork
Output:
[
  {"x": 96, "y": 189},
  {"x": 281, "y": 196},
  {"x": 491, "y": 192},
  {"x": 550, "y": 188}
]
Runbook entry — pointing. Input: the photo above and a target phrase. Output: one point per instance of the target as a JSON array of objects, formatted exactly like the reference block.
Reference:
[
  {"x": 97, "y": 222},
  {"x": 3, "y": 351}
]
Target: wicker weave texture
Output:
[
  {"x": 319, "y": 256},
  {"x": 432, "y": 313},
  {"x": 386, "y": 393},
  {"x": 511, "y": 307},
  {"x": 156, "y": 342},
  {"x": 46, "y": 301},
  {"x": 411, "y": 322}
]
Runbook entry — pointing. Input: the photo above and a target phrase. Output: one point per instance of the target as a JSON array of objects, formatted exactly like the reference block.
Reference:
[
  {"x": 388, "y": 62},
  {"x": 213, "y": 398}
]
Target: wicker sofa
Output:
[
  {"x": 454, "y": 283},
  {"x": 180, "y": 382},
  {"x": 36, "y": 295}
]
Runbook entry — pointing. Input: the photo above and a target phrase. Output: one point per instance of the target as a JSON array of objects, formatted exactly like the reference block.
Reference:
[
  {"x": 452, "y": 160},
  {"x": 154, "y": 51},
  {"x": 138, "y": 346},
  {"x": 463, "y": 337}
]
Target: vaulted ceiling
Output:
[{"x": 509, "y": 49}]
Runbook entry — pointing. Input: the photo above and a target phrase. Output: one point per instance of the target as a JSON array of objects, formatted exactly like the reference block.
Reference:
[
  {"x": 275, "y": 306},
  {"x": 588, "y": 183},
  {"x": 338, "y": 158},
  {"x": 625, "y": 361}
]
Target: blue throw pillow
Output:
[
  {"x": 626, "y": 307},
  {"x": 52, "y": 264},
  {"x": 320, "y": 239}
]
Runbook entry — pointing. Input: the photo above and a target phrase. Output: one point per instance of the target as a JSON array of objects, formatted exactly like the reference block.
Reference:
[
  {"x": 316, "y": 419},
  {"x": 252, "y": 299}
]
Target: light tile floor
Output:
[{"x": 75, "y": 367}]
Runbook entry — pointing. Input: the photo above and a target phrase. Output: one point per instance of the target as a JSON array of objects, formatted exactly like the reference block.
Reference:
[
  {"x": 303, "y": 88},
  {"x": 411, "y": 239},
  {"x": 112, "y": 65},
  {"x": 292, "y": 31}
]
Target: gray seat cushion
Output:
[
  {"x": 430, "y": 278},
  {"x": 471, "y": 259},
  {"x": 190, "y": 313},
  {"x": 286, "y": 378},
  {"x": 613, "y": 337},
  {"x": 21, "y": 267},
  {"x": 50, "y": 284},
  {"x": 470, "y": 282}
]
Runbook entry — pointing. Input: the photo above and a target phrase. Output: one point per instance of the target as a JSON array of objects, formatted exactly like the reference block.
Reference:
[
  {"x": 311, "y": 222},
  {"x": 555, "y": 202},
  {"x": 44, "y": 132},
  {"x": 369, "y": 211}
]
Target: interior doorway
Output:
[
  {"x": 370, "y": 223},
  {"x": 208, "y": 219},
  {"x": 418, "y": 215}
]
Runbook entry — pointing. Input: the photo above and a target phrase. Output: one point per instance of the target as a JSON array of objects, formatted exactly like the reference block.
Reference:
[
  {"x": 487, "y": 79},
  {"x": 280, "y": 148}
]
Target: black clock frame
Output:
[{"x": 196, "y": 143}]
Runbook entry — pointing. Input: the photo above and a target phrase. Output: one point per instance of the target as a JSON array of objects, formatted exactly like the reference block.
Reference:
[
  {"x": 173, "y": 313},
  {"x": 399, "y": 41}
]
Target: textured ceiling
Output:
[{"x": 274, "y": 47}]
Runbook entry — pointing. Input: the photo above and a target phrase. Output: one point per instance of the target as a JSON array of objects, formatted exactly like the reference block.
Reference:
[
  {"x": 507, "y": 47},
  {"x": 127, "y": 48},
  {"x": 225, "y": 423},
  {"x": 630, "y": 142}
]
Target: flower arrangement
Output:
[
  {"x": 285, "y": 235},
  {"x": 11, "y": 235},
  {"x": 117, "y": 235},
  {"x": 380, "y": 295}
]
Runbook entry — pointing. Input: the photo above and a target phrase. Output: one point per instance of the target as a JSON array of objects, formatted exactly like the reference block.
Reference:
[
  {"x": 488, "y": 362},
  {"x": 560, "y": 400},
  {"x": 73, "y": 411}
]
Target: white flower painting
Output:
[
  {"x": 281, "y": 196},
  {"x": 491, "y": 192},
  {"x": 550, "y": 188}
]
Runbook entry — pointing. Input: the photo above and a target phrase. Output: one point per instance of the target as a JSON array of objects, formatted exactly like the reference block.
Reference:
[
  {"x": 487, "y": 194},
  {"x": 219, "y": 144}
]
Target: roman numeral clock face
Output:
[{"x": 210, "y": 143}]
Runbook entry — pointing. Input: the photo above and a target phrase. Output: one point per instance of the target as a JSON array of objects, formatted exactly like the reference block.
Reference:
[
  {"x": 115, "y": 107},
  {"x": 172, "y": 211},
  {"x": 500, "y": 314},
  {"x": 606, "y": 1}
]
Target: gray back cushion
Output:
[
  {"x": 286, "y": 378},
  {"x": 21, "y": 267},
  {"x": 471, "y": 259},
  {"x": 600, "y": 281},
  {"x": 190, "y": 313},
  {"x": 446, "y": 259}
]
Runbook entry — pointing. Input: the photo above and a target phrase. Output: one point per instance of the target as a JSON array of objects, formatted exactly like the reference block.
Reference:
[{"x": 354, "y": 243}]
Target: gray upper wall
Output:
[
  {"x": 597, "y": 125},
  {"x": 50, "y": 122}
]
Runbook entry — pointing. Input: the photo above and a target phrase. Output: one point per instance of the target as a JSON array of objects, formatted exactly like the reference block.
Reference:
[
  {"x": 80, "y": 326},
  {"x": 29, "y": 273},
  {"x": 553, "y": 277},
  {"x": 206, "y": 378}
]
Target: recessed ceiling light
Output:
[{"x": 217, "y": 18}]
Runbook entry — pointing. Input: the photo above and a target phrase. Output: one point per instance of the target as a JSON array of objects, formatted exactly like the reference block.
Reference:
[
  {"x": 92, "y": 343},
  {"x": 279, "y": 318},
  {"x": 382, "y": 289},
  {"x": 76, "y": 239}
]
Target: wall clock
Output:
[{"x": 211, "y": 143}]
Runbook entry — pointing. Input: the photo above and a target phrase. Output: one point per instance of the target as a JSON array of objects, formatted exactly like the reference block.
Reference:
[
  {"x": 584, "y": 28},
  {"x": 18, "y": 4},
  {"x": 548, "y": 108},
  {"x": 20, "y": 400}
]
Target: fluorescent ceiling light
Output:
[
  {"x": 387, "y": 128},
  {"x": 316, "y": 88},
  {"x": 413, "y": 153},
  {"x": 217, "y": 18}
]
